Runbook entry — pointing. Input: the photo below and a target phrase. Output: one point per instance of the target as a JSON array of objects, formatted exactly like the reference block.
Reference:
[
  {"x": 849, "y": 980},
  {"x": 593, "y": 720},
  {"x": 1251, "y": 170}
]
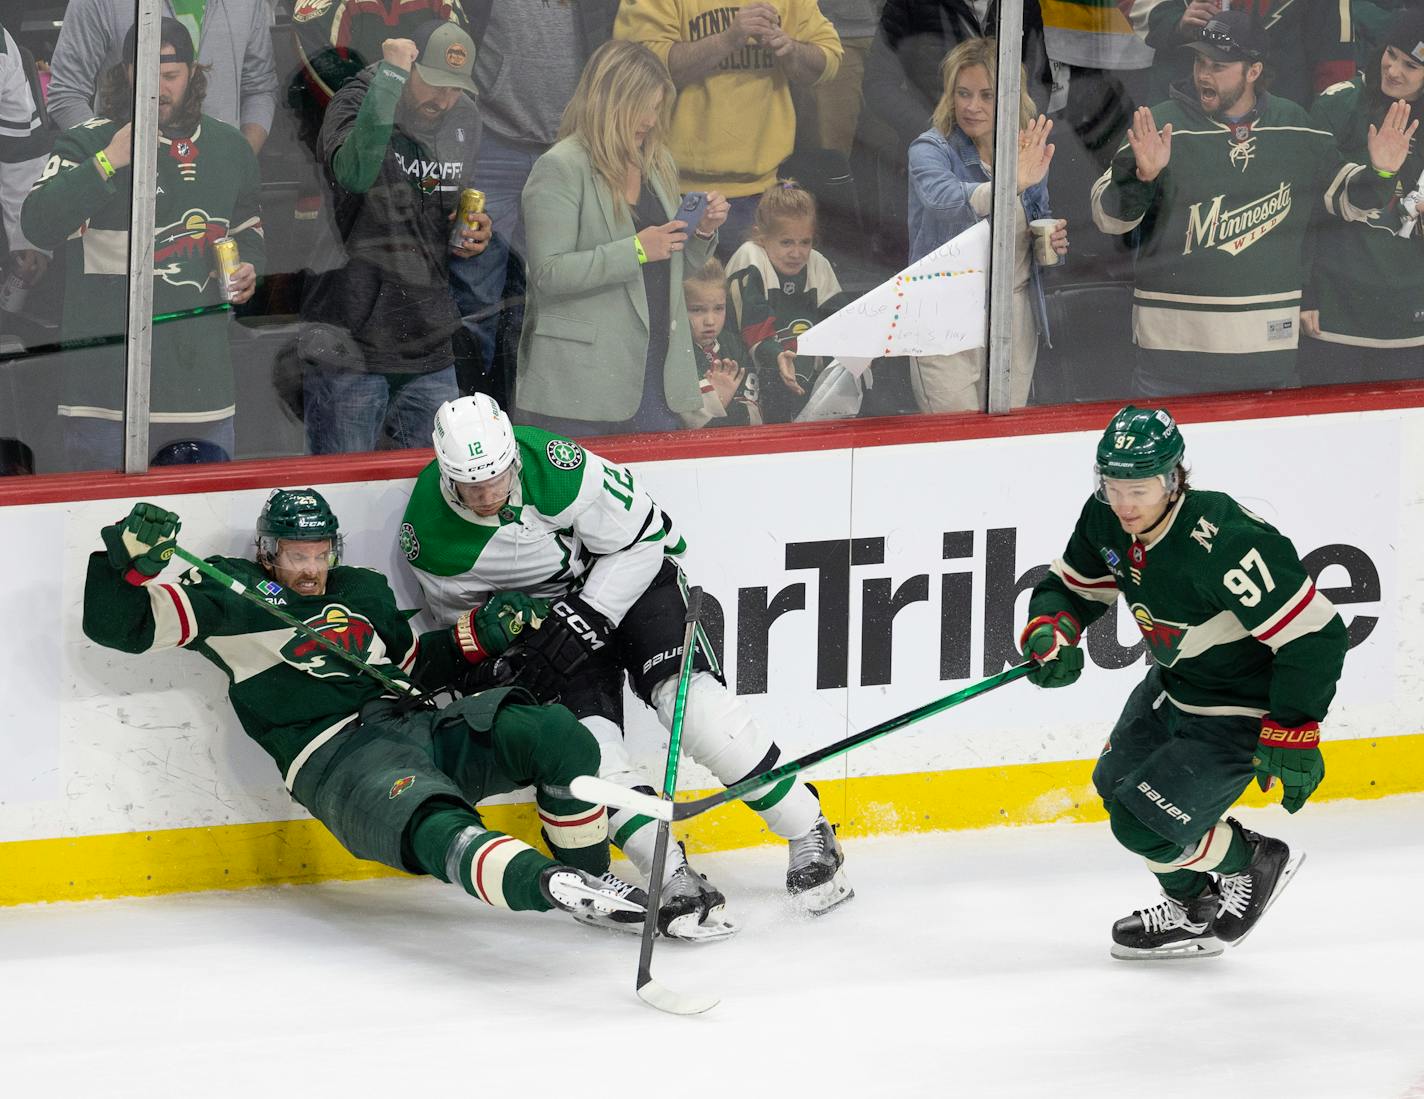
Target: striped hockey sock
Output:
[{"x": 498, "y": 869}]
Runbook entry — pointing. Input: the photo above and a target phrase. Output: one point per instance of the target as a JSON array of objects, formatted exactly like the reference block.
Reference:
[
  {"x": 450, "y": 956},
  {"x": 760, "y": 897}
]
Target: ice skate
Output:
[
  {"x": 1170, "y": 930},
  {"x": 1246, "y": 895},
  {"x": 813, "y": 874},
  {"x": 690, "y": 907},
  {"x": 608, "y": 901}
]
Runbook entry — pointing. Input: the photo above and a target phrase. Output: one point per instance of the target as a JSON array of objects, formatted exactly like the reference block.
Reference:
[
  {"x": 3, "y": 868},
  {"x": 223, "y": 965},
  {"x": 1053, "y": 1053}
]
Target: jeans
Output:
[
  {"x": 346, "y": 411},
  {"x": 477, "y": 284}
]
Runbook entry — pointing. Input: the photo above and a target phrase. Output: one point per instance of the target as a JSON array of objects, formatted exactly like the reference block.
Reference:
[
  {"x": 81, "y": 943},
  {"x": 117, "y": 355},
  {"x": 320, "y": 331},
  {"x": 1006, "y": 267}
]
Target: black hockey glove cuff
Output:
[{"x": 573, "y": 635}]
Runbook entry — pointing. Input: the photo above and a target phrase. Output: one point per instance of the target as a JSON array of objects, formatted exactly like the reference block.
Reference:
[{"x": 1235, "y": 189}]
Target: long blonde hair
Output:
[
  {"x": 619, "y": 82},
  {"x": 975, "y": 51}
]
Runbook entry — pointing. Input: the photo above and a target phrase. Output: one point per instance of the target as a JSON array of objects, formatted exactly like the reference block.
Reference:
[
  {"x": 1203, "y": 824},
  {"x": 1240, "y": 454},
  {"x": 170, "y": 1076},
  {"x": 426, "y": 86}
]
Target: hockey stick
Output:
[
  {"x": 239, "y": 588},
  {"x": 602, "y": 792},
  {"x": 649, "y": 990}
]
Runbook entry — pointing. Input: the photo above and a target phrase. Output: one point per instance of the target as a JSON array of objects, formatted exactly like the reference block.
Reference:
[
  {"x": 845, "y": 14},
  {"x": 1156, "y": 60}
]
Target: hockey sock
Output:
[
  {"x": 1164, "y": 857},
  {"x": 576, "y": 832},
  {"x": 448, "y": 842},
  {"x": 1223, "y": 849}
]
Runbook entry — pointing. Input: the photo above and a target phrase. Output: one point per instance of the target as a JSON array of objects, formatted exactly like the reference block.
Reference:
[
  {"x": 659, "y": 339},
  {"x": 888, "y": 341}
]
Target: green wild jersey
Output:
[
  {"x": 290, "y": 694},
  {"x": 574, "y": 522},
  {"x": 1227, "y": 609}
]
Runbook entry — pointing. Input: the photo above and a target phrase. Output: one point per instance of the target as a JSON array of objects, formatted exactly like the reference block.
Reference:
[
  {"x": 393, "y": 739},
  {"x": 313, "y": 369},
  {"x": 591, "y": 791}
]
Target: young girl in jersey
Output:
[{"x": 780, "y": 287}]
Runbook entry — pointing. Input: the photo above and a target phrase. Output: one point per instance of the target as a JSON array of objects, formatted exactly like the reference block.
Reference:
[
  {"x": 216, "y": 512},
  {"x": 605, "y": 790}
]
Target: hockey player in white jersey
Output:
[{"x": 505, "y": 509}]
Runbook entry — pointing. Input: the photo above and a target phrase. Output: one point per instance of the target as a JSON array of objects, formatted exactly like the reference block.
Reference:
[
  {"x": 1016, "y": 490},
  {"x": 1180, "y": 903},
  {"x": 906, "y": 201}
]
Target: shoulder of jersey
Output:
[
  {"x": 551, "y": 469},
  {"x": 1213, "y": 518}
]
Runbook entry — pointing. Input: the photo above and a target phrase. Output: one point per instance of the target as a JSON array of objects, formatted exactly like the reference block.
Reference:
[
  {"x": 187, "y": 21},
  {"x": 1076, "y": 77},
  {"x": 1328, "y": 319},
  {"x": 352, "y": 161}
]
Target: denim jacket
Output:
[{"x": 943, "y": 174}]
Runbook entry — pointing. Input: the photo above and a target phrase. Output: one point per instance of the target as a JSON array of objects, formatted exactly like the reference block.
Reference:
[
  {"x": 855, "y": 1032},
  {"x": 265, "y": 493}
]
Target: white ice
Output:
[{"x": 969, "y": 964}]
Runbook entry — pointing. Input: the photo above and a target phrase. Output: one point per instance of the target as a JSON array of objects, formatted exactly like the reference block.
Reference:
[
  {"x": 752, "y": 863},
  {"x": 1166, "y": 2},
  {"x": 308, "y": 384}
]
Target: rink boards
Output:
[{"x": 848, "y": 585}]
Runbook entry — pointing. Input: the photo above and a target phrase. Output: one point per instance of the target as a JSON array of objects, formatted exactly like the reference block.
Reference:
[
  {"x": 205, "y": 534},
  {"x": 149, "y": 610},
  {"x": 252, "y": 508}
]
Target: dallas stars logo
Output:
[
  {"x": 1163, "y": 638},
  {"x": 409, "y": 543},
  {"x": 564, "y": 454}
]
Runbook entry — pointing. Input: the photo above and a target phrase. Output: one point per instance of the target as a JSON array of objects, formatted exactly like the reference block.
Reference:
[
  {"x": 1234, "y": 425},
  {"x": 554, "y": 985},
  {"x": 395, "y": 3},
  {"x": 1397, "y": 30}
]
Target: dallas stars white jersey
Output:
[{"x": 574, "y": 522}]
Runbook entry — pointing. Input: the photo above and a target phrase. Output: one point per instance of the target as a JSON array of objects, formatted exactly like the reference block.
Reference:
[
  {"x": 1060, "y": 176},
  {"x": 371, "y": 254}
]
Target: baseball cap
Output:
[
  {"x": 1231, "y": 36},
  {"x": 447, "y": 55},
  {"x": 175, "y": 43},
  {"x": 1406, "y": 34}
]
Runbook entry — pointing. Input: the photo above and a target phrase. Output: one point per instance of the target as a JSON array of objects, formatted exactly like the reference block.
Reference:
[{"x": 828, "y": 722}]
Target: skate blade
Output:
[
  {"x": 1292, "y": 865},
  {"x": 688, "y": 930},
  {"x": 822, "y": 898},
  {"x": 604, "y": 922},
  {"x": 1196, "y": 948}
]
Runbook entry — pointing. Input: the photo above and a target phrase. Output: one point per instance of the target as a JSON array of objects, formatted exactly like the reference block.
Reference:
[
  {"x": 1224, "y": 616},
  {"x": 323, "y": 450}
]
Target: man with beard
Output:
[
  {"x": 397, "y": 146},
  {"x": 207, "y": 189},
  {"x": 1221, "y": 197}
]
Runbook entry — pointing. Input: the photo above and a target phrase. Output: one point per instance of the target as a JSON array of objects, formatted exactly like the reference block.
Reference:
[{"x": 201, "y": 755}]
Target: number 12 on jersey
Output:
[
  {"x": 619, "y": 484},
  {"x": 1242, "y": 586}
]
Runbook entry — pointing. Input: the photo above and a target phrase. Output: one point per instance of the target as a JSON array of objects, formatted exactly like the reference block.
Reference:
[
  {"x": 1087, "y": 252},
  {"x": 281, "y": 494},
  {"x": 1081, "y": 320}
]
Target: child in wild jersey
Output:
[
  {"x": 729, "y": 389},
  {"x": 780, "y": 287}
]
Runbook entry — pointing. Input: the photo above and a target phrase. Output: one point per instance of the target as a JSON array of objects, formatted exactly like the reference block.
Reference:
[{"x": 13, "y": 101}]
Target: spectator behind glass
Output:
[
  {"x": 1310, "y": 42},
  {"x": 951, "y": 189},
  {"x": 397, "y": 145},
  {"x": 781, "y": 286},
  {"x": 1367, "y": 286},
  {"x": 530, "y": 58},
  {"x": 234, "y": 44},
  {"x": 605, "y": 347},
  {"x": 729, "y": 389},
  {"x": 23, "y": 151},
  {"x": 1224, "y": 193},
  {"x": 734, "y": 122},
  {"x": 207, "y": 189}
]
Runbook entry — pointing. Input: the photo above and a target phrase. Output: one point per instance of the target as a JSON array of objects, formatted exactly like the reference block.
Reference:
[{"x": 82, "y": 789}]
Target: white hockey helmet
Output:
[{"x": 474, "y": 440}]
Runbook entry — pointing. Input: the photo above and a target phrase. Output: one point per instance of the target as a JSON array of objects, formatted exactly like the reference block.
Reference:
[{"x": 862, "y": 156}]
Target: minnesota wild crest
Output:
[
  {"x": 1163, "y": 638},
  {"x": 352, "y": 631}
]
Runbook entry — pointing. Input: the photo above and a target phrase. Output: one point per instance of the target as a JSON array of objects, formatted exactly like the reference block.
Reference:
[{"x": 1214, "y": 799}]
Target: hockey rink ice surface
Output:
[{"x": 970, "y": 964}]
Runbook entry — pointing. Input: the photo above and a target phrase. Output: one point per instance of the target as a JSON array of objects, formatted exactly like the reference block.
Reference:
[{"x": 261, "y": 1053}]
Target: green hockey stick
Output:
[
  {"x": 238, "y": 587},
  {"x": 602, "y": 792},
  {"x": 649, "y": 990}
]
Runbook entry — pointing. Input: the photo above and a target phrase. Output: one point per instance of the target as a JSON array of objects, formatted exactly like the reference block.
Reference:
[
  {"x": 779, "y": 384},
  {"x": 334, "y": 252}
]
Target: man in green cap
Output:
[
  {"x": 394, "y": 779},
  {"x": 1246, "y": 655}
]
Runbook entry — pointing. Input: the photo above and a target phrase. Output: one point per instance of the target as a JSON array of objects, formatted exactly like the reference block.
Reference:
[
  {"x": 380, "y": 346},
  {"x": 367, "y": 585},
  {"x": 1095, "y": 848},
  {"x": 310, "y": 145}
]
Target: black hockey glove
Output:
[{"x": 571, "y": 638}]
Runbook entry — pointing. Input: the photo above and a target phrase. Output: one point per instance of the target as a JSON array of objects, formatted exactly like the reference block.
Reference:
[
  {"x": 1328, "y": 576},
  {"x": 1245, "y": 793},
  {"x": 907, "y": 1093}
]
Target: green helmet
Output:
[
  {"x": 298, "y": 516},
  {"x": 1138, "y": 443}
]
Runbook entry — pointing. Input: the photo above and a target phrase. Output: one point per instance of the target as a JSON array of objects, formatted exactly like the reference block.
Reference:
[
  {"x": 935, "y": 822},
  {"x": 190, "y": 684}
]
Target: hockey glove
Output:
[
  {"x": 499, "y": 623},
  {"x": 141, "y": 543},
  {"x": 1052, "y": 642},
  {"x": 572, "y": 636},
  {"x": 1293, "y": 756}
]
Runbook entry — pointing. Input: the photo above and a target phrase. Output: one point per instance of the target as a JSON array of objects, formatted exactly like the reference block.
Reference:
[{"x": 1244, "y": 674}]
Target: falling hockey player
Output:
[
  {"x": 1246, "y": 657},
  {"x": 394, "y": 780},
  {"x": 514, "y": 509}
]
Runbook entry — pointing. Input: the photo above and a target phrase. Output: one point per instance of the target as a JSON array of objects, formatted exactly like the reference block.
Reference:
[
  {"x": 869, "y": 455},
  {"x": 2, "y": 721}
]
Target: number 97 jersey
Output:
[
  {"x": 1222, "y": 600},
  {"x": 574, "y": 522}
]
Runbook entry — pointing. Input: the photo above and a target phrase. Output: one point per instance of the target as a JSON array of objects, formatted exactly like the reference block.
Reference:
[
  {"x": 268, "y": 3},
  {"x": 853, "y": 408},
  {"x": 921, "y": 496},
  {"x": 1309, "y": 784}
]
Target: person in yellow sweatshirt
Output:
[{"x": 734, "y": 121}]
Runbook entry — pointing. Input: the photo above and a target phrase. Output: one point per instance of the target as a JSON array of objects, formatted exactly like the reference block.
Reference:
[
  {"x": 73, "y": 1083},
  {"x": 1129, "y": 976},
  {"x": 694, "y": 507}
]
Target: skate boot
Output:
[
  {"x": 608, "y": 901},
  {"x": 813, "y": 874},
  {"x": 1246, "y": 895},
  {"x": 1172, "y": 929},
  {"x": 690, "y": 907}
]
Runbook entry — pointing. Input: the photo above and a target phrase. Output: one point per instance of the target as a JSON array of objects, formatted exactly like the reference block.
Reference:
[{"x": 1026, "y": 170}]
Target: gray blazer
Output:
[{"x": 585, "y": 338}]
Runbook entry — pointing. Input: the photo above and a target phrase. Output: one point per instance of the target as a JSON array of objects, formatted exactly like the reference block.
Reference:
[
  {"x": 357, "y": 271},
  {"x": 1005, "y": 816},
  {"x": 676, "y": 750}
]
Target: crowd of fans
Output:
[{"x": 673, "y": 191}]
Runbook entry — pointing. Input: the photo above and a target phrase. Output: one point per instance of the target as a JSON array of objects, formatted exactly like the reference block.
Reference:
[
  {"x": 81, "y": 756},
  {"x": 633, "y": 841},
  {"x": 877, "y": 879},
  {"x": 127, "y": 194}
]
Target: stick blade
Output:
[
  {"x": 602, "y": 792},
  {"x": 674, "y": 1003}
]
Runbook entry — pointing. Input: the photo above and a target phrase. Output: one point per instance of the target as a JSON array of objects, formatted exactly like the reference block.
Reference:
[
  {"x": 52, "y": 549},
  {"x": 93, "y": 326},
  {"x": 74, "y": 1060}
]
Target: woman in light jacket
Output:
[
  {"x": 606, "y": 346},
  {"x": 951, "y": 188}
]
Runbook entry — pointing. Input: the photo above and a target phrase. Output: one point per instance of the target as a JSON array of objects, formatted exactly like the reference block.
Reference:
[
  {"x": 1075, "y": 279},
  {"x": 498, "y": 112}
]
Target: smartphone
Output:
[{"x": 694, "y": 205}]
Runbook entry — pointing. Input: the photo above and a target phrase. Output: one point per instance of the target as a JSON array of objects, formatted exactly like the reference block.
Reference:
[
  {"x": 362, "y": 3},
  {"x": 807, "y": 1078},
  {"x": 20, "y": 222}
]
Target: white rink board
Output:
[{"x": 95, "y": 742}]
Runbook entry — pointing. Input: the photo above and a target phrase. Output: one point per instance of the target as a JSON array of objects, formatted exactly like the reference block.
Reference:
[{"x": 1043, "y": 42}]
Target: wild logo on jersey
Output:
[
  {"x": 1234, "y": 231},
  {"x": 182, "y": 250},
  {"x": 352, "y": 631},
  {"x": 1163, "y": 638}
]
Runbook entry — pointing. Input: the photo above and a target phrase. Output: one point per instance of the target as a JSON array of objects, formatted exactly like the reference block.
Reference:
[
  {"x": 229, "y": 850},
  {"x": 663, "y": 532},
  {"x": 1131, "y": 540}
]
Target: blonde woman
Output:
[
  {"x": 951, "y": 172},
  {"x": 606, "y": 346}
]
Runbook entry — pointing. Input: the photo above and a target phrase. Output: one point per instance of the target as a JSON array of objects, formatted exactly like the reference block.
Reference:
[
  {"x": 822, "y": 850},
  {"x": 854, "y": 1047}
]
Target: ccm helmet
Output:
[
  {"x": 474, "y": 440},
  {"x": 296, "y": 515},
  {"x": 1140, "y": 443}
]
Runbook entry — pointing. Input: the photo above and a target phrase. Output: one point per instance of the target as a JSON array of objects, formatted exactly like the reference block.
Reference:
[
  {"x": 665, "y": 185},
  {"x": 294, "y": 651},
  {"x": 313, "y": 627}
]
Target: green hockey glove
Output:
[
  {"x": 141, "y": 543},
  {"x": 1293, "y": 756},
  {"x": 492, "y": 628},
  {"x": 1052, "y": 641}
]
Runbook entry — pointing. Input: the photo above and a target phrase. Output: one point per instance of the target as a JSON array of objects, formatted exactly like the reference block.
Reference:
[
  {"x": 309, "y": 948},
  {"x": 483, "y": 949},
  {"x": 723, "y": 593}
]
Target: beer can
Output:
[
  {"x": 226, "y": 257},
  {"x": 472, "y": 202},
  {"x": 13, "y": 293}
]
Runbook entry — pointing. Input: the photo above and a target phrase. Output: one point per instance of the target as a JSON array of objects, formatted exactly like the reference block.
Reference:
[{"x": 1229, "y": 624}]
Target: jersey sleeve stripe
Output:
[
  {"x": 172, "y": 616},
  {"x": 1292, "y": 607},
  {"x": 1311, "y": 613},
  {"x": 409, "y": 662},
  {"x": 1101, "y": 589}
]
